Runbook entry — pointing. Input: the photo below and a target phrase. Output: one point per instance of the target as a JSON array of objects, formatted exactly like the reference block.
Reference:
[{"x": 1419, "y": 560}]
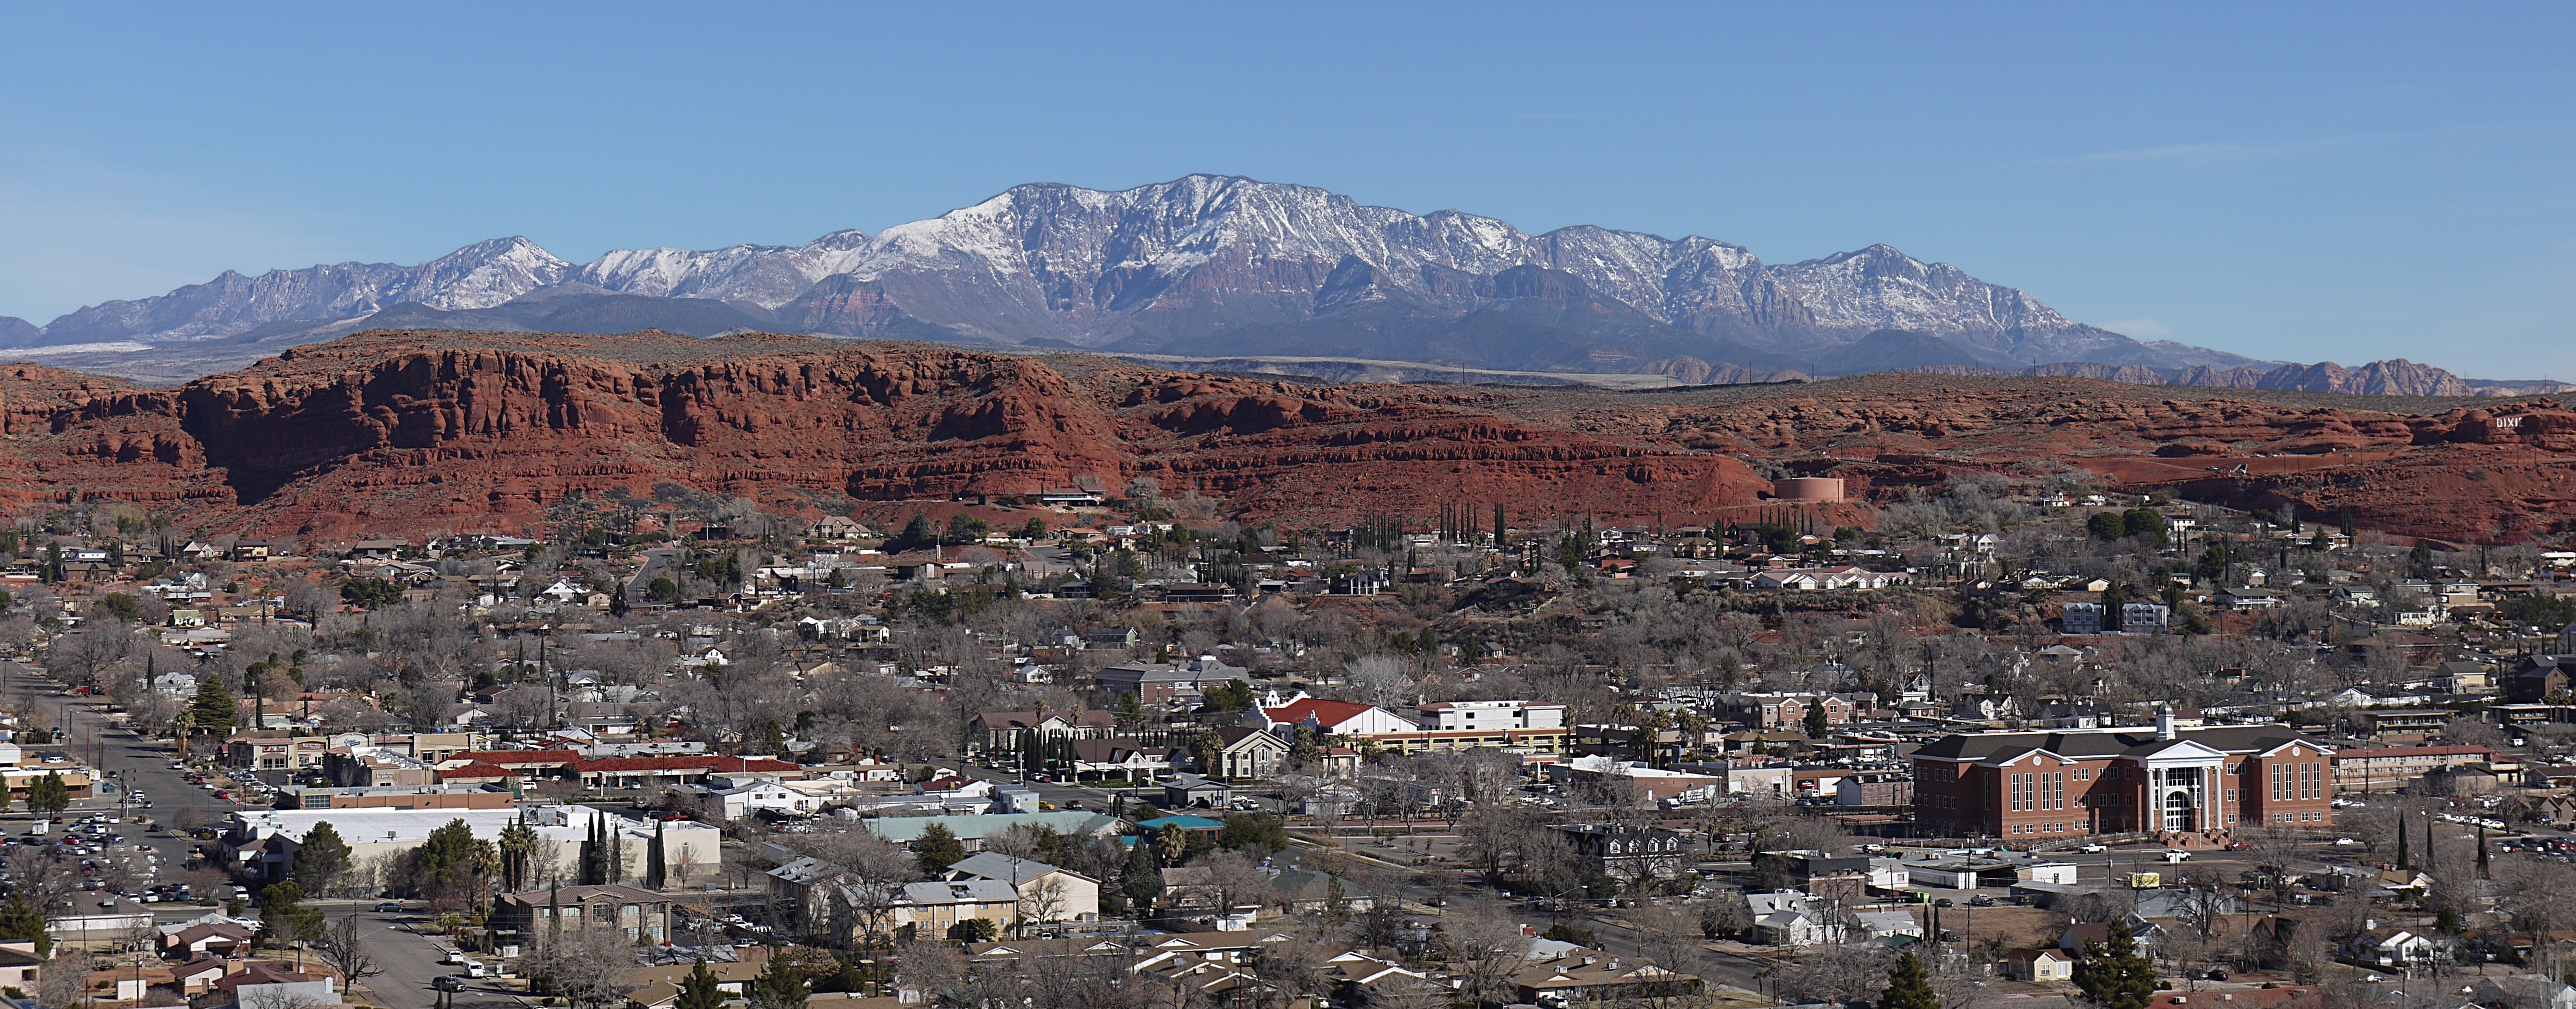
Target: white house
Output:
[
  {"x": 1889, "y": 924},
  {"x": 1793, "y": 918},
  {"x": 2389, "y": 946},
  {"x": 735, "y": 798},
  {"x": 1844, "y": 576}
]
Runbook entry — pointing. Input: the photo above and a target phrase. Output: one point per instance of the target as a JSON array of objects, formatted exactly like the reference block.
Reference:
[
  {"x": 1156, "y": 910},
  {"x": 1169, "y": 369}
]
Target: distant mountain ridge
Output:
[
  {"x": 2393, "y": 377},
  {"x": 1204, "y": 265}
]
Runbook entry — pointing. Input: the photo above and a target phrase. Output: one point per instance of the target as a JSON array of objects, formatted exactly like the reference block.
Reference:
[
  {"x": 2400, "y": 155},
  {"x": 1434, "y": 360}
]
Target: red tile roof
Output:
[
  {"x": 708, "y": 764},
  {"x": 1327, "y": 713},
  {"x": 476, "y": 772},
  {"x": 517, "y": 758}
]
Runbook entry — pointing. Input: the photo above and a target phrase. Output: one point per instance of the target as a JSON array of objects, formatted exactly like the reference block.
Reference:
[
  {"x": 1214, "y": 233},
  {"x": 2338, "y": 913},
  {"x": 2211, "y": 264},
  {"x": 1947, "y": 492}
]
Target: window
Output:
[{"x": 2231, "y": 795}]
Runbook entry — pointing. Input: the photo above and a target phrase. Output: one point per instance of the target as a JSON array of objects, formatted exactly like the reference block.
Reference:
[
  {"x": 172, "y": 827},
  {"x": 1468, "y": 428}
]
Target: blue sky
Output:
[{"x": 2314, "y": 182}]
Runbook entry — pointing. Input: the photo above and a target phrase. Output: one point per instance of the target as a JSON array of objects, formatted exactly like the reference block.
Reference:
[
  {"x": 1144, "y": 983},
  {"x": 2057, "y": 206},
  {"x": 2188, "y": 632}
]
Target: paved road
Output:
[
  {"x": 657, "y": 564},
  {"x": 410, "y": 961},
  {"x": 132, "y": 762}
]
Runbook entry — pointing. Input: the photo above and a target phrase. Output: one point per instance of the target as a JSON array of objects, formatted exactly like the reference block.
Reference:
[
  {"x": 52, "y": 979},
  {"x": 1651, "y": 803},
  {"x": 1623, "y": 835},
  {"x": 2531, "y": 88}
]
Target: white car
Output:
[
  {"x": 2346, "y": 842},
  {"x": 2176, "y": 855},
  {"x": 2094, "y": 849}
]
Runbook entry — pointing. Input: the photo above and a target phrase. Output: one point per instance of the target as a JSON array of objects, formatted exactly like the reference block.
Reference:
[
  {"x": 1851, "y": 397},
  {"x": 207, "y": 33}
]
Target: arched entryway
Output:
[{"x": 2178, "y": 813}]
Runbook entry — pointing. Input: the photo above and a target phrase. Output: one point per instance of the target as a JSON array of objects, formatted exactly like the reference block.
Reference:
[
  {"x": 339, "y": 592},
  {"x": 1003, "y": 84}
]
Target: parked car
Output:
[
  {"x": 389, "y": 907},
  {"x": 2094, "y": 849}
]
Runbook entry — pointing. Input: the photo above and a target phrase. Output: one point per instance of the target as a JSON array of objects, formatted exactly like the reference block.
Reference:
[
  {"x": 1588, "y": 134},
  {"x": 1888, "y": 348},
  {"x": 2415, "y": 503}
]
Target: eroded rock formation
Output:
[{"x": 416, "y": 431}]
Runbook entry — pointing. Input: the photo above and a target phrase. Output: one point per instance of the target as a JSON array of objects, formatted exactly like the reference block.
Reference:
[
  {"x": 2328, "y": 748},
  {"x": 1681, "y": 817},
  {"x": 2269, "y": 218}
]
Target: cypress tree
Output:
[
  {"x": 612, "y": 852},
  {"x": 2428, "y": 844},
  {"x": 2482, "y": 852},
  {"x": 2403, "y": 862},
  {"x": 655, "y": 872}
]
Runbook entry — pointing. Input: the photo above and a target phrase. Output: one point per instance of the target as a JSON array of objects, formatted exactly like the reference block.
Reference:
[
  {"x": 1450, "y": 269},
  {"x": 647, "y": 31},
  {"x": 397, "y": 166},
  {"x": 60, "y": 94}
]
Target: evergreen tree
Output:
[
  {"x": 1907, "y": 987},
  {"x": 1140, "y": 880},
  {"x": 698, "y": 990},
  {"x": 781, "y": 986},
  {"x": 849, "y": 978},
  {"x": 48, "y": 794},
  {"x": 2403, "y": 862},
  {"x": 612, "y": 851},
  {"x": 213, "y": 711},
  {"x": 2428, "y": 844},
  {"x": 937, "y": 850},
  {"x": 586, "y": 868},
  {"x": 21, "y": 922},
  {"x": 1817, "y": 727},
  {"x": 2482, "y": 852},
  {"x": 656, "y": 873},
  {"x": 321, "y": 860},
  {"x": 283, "y": 915},
  {"x": 2113, "y": 974}
]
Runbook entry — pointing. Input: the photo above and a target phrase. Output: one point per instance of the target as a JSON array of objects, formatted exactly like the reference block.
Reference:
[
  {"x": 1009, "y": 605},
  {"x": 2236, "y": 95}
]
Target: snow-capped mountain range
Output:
[{"x": 1200, "y": 265}]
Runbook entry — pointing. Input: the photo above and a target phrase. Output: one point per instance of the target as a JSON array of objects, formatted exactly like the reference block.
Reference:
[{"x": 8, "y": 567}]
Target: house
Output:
[
  {"x": 1120, "y": 758},
  {"x": 1046, "y": 893},
  {"x": 215, "y": 939},
  {"x": 1817, "y": 873},
  {"x": 2044, "y": 964},
  {"x": 2247, "y": 599},
  {"x": 930, "y": 908},
  {"x": 658, "y": 986},
  {"x": 1791, "y": 918},
  {"x": 1168, "y": 683},
  {"x": 1245, "y": 752},
  {"x": 1889, "y": 924},
  {"x": 267, "y": 985},
  {"x": 1584, "y": 976},
  {"x": 2539, "y": 678},
  {"x": 2389, "y": 946},
  {"x": 1190, "y": 790},
  {"x": 20, "y": 967},
  {"x": 1829, "y": 579},
  {"x": 2141, "y": 931},
  {"x": 1305, "y": 891},
  {"x": 638, "y": 913},
  {"x": 1626, "y": 851},
  {"x": 836, "y": 527}
]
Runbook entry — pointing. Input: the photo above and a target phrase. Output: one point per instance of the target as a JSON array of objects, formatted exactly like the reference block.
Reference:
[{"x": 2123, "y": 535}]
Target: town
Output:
[{"x": 2017, "y": 739}]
